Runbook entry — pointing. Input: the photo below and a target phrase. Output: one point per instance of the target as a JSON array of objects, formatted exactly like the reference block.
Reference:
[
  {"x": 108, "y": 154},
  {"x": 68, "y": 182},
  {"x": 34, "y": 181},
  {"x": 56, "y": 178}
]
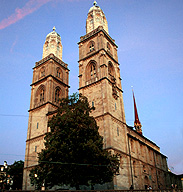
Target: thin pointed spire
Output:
[{"x": 137, "y": 123}]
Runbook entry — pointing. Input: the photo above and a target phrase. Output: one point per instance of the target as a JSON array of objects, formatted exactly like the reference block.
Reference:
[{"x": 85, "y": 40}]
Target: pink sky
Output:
[{"x": 20, "y": 13}]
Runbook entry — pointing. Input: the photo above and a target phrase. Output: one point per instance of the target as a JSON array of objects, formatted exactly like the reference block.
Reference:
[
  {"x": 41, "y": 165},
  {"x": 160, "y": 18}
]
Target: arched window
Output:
[
  {"x": 110, "y": 69},
  {"x": 42, "y": 72},
  {"x": 59, "y": 73},
  {"x": 109, "y": 49},
  {"x": 91, "y": 46},
  {"x": 57, "y": 94},
  {"x": 41, "y": 95},
  {"x": 91, "y": 72}
]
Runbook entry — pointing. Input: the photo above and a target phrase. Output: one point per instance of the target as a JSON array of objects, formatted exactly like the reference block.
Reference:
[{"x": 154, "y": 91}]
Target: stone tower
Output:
[
  {"x": 49, "y": 83},
  {"x": 141, "y": 163},
  {"x": 100, "y": 81}
]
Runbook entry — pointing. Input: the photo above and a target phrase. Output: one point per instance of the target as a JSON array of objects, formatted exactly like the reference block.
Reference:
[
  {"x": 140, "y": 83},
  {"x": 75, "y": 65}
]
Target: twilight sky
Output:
[{"x": 149, "y": 35}]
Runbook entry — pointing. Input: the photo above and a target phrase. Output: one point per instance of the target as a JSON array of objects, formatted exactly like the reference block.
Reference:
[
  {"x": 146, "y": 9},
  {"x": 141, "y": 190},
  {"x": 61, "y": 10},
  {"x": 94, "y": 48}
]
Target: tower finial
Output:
[
  {"x": 137, "y": 123},
  {"x": 94, "y": 3},
  {"x": 54, "y": 28}
]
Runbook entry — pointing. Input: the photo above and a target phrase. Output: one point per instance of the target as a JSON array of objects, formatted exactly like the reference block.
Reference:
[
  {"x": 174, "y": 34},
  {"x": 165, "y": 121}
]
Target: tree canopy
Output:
[
  {"x": 73, "y": 153},
  {"x": 16, "y": 172},
  {"x": 12, "y": 175}
]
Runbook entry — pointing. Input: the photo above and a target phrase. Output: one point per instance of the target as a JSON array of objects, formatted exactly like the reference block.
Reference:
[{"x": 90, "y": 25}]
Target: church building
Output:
[{"x": 141, "y": 162}]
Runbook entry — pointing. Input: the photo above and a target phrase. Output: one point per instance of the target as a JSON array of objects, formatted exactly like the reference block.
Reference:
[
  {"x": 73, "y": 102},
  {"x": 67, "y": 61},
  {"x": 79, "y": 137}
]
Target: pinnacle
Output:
[{"x": 94, "y": 3}]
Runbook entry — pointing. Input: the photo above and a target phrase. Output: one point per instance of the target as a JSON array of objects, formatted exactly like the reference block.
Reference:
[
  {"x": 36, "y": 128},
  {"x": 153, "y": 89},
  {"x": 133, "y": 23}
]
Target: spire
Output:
[{"x": 137, "y": 123}]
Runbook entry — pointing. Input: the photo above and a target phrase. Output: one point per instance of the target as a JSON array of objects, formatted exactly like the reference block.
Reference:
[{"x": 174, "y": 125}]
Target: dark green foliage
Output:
[
  {"x": 15, "y": 172},
  {"x": 73, "y": 153}
]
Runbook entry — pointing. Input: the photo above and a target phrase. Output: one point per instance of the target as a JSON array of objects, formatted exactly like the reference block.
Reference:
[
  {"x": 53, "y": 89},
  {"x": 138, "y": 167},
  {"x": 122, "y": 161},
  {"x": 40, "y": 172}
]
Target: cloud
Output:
[{"x": 30, "y": 7}]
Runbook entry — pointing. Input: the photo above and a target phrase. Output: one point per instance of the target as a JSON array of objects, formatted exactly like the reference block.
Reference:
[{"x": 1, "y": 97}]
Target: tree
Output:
[
  {"x": 74, "y": 153},
  {"x": 15, "y": 172}
]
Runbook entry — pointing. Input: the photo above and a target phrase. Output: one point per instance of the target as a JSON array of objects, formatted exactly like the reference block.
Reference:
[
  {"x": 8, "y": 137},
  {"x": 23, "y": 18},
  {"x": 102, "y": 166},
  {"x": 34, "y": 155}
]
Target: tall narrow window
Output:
[
  {"x": 117, "y": 131},
  {"x": 91, "y": 46},
  {"x": 37, "y": 125},
  {"x": 42, "y": 72},
  {"x": 110, "y": 69},
  {"x": 35, "y": 148},
  {"x": 115, "y": 106},
  {"x": 42, "y": 95},
  {"x": 57, "y": 95},
  {"x": 58, "y": 73},
  {"x": 109, "y": 49},
  {"x": 92, "y": 103},
  {"x": 93, "y": 70}
]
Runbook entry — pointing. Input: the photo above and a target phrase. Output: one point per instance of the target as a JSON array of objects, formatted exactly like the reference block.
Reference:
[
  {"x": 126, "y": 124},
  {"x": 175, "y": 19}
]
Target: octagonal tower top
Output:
[
  {"x": 96, "y": 18},
  {"x": 53, "y": 45}
]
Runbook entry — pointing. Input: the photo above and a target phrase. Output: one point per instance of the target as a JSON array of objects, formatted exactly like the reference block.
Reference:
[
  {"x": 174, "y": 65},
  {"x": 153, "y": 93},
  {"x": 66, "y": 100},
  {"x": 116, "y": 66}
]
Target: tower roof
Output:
[
  {"x": 95, "y": 7},
  {"x": 53, "y": 33},
  {"x": 53, "y": 44},
  {"x": 137, "y": 123},
  {"x": 96, "y": 18}
]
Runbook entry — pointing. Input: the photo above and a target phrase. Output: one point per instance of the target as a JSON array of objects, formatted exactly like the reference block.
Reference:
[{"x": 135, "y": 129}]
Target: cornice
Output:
[
  {"x": 44, "y": 78},
  {"x": 107, "y": 113},
  {"x": 48, "y": 102},
  {"x": 51, "y": 56},
  {"x": 98, "y": 82},
  {"x": 36, "y": 138},
  {"x": 93, "y": 33},
  {"x": 135, "y": 138},
  {"x": 96, "y": 52}
]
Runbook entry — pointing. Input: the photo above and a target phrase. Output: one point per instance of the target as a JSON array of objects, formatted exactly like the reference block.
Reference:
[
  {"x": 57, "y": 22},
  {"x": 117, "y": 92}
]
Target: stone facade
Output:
[{"x": 50, "y": 82}]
